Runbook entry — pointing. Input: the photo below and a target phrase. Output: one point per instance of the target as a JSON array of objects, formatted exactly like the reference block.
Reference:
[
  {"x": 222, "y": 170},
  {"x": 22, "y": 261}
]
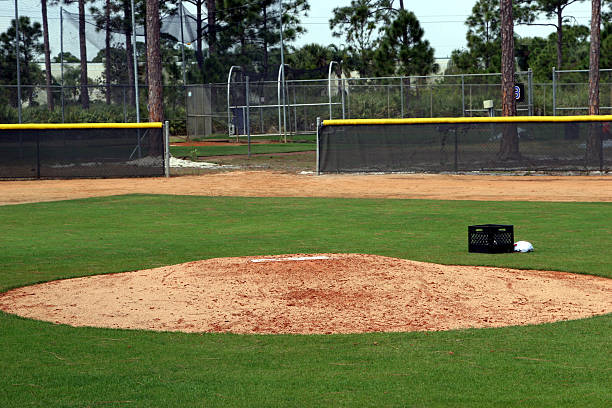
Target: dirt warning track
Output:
[{"x": 275, "y": 184}]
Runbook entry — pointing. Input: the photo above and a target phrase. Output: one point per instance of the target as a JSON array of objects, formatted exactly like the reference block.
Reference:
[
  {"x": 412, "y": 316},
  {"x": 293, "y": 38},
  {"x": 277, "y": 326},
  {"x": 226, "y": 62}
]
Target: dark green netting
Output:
[
  {"x": 75, "y": 153},
  {"x": 443, "y": 147}
]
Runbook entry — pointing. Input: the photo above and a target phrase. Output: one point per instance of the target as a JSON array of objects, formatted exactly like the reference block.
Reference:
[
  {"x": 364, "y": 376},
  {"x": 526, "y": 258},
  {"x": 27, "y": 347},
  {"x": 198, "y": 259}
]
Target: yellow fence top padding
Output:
[
  {"x": 51, "y": 126},
  {"x": 498, "y": 119}
]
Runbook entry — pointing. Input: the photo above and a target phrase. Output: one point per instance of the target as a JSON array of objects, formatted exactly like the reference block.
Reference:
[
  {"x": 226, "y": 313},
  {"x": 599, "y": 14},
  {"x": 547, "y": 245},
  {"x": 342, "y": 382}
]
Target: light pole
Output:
[
  {"x": 62, "y": 58},
  {"x": 182, "y": 43},
  {"x": 331, "y": 64},
  {"x": 17, "y": 58},
  {"x": 135, "y": 65},
  {"x": 284, "y": 130}
]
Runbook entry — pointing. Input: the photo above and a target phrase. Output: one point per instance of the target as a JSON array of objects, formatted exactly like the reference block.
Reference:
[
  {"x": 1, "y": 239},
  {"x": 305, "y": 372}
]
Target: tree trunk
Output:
[
  {"x": 199, "y": 53},
  {"x": 509, "y": 147},
  {"x": 559, "y": 37},
  {"x": 107, "y": 51},
  {"x": 48, "y": 78},
  {"x": 265, "y": 43},
  {"x": 83, "y": 53},
  {"x": 154, "y": 73},
  {"x": 594, "y": 144},
  {"x": 129, "y": 50},
  {"x": 594, "y": 58},
  {"x": 211, "y": 7}
]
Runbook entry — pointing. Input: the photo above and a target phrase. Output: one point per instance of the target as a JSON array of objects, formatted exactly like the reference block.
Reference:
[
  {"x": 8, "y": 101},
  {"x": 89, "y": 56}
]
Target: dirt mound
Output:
[{"x": 321, "y": 293}]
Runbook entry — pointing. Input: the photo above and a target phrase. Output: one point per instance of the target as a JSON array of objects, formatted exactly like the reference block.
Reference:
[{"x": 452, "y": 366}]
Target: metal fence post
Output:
[
  {"x": 530, "y": 92},
  {"x": 248, "y": 117},
  {"x": 348, "y": 97},
  {"x": 166, "y": 131},
  {"x": 462, "y": 95},
  {"x": 124, "y": 105},
  {"x": 317, "y": 155},
  {"x": 388, "y": 101},
  {"x": 431, "y": 101},
  {"x": 554, "y": 92},
  {"x": 295, "y": 109},
  {"x": 342, "y": 90},
  {"x": 402, "y": 96}
]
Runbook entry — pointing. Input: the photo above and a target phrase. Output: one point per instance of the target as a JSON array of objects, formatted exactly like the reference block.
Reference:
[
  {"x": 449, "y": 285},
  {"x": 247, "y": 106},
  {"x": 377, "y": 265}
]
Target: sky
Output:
[{"x": 442, "y": 20}]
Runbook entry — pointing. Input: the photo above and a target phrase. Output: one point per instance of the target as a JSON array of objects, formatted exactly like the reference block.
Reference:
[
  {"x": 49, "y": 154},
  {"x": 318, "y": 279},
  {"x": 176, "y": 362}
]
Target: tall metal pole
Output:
[
  {"x": 329, "y": 86},
  {"x": 229, "y": 120},
  {"x": 342, "y": 89},
  {"x": 248, "y": 117},
  {"x": 278, "y": 98},
  {"x": 317, "y": 154},
  {"x": 182, "y": 43},
  {"x": 530, "y": 91},
  {"x": 166, "y": 130},
  {"x": 135, "y": 64},
  {"x": 282, "y": 53},
  {"x": 62, "y": 58},
  {"x": 462, "y": 96},
  {"x": 554, "y": 91},
  {"x": 402, "y": 96},
  {"x": 17, "y": 58}
]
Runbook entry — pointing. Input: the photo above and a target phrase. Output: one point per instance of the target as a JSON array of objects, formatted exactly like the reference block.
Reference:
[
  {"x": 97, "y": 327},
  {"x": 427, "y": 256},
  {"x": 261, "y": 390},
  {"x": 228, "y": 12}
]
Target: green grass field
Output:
[{"x": 552, "y": 365}]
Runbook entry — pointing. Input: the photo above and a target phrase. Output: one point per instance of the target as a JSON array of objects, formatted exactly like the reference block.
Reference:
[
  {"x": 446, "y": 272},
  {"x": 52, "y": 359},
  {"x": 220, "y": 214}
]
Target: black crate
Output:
[{"x": 491, "y": 238}]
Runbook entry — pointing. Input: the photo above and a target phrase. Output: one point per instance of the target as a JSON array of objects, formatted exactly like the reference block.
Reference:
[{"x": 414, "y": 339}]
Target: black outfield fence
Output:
[
  {"x": 535, "y": 143},
  {"x": 85, "y": 150}
]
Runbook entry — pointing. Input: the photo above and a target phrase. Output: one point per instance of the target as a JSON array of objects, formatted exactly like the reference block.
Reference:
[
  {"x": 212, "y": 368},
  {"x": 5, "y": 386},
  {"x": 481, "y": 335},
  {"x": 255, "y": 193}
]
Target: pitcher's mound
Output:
[{"x": 315, "y": 293}]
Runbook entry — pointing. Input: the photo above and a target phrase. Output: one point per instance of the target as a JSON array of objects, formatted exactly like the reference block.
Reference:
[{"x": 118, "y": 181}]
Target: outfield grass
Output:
[
  {"x": 203, "y": 151},
  {"x": 561, "y": 364}
]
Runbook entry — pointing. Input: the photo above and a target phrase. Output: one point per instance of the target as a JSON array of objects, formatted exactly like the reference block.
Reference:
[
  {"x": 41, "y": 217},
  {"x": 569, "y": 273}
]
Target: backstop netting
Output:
[
  {"x": 520, "y": 143},
  {"x": 83, "y": 150}
]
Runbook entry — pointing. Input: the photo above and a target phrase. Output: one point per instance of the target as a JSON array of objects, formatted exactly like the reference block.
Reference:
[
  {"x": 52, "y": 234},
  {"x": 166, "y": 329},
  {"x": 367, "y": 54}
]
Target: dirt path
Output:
[{"x": 266, "y": 184}]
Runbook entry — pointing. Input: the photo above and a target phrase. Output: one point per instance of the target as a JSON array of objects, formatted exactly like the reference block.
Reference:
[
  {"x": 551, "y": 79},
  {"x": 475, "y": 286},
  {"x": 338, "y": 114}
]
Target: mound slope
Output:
[{"x": 314, "y": 293}]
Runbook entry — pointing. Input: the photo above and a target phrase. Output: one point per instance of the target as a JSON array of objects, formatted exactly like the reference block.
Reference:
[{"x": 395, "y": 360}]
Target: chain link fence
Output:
[
  {"x": 220, "y": 109},
  {"x": 356, "y": 98},
  {"x": 570, "y": 92}
]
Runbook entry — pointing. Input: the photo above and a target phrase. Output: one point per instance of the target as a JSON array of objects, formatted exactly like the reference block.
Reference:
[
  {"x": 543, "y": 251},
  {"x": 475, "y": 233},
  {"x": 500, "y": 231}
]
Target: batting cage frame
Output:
[
  {"x": 465, "y": 144},
  {"x": 84, "y": 150}
]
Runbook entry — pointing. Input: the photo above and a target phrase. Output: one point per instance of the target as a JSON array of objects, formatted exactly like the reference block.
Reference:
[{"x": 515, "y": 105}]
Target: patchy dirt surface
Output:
[
  {"x": 276, "y": 184},
  {"x": 320, "y": 293}
]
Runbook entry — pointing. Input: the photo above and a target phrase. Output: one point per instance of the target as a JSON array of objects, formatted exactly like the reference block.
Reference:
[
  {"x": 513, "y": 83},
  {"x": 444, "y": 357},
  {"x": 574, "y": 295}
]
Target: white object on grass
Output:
[{"x": 523, "y": 246}]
